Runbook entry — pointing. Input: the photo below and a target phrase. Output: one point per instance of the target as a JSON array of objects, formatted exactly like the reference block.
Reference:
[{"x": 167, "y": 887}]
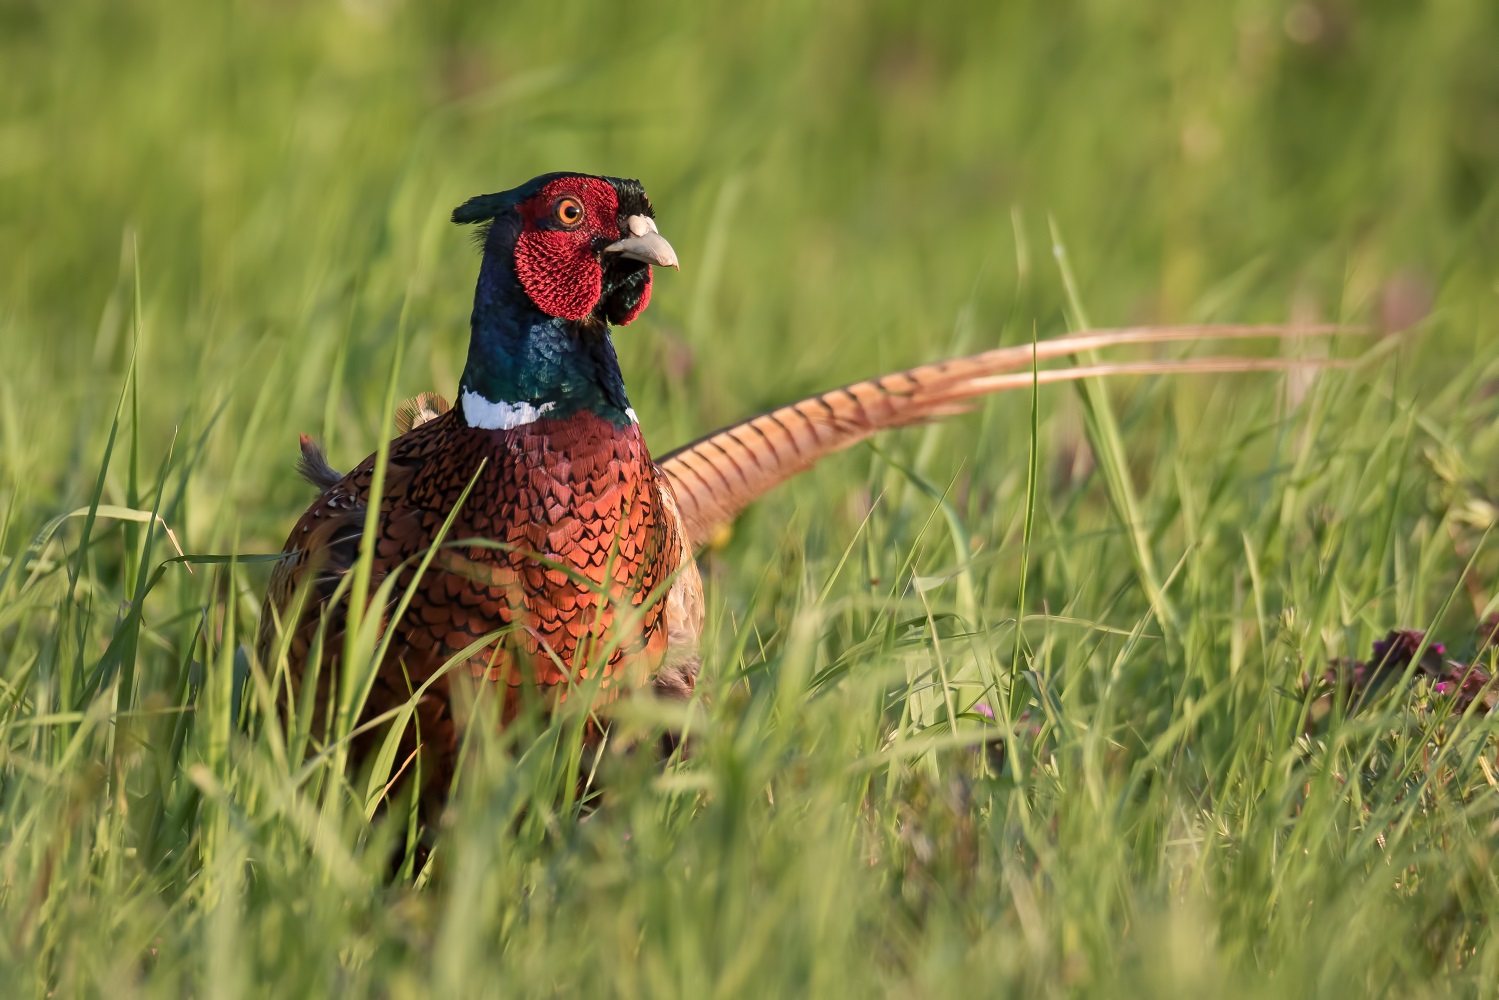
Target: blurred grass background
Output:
[{"x": 250, "y": 199}]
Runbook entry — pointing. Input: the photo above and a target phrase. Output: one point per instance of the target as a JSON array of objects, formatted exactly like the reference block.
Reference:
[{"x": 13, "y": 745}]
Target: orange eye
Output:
[{"x": 569, "y": 212}]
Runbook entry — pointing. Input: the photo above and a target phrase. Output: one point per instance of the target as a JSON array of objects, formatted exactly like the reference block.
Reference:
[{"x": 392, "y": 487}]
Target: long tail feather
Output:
[{"x": 719, "y": 475}]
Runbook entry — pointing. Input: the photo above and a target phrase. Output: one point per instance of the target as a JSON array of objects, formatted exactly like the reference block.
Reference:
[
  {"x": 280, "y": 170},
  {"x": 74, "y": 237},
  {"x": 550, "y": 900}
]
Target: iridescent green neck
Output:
[{"x": 524, "y": 364}]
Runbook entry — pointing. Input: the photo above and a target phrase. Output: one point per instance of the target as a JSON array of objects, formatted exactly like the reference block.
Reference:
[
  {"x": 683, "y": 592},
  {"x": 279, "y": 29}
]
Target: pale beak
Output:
[{"x": 644, "y": 243}]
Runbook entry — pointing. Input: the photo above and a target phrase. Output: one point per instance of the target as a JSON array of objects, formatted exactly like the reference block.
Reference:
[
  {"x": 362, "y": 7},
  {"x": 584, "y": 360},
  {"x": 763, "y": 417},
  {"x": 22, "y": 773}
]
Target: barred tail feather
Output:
[{"x": 717, "y": 476}]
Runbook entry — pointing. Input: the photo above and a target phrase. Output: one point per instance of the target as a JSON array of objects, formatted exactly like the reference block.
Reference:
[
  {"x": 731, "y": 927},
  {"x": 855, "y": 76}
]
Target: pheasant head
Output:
[
  {"x": 565, "y": 256},
  {"x": 581, "y": 246}
]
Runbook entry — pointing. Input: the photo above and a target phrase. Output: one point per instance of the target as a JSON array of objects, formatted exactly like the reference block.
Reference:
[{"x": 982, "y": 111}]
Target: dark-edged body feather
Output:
[{"x": 565, "y": 542}]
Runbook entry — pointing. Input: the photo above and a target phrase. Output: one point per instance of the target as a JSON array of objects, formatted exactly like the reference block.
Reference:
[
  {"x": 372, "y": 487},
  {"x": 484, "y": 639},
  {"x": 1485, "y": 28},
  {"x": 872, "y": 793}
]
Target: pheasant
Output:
[{"x": 568, "y": 566}]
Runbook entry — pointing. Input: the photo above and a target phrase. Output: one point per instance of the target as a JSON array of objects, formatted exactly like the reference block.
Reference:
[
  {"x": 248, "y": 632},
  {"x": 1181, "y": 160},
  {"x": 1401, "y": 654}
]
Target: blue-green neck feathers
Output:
[{"x": 525, "y": 363}]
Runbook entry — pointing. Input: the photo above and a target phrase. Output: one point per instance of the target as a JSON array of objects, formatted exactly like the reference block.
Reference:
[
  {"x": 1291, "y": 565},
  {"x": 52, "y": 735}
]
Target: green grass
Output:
[{"x": 217, "y": 220}]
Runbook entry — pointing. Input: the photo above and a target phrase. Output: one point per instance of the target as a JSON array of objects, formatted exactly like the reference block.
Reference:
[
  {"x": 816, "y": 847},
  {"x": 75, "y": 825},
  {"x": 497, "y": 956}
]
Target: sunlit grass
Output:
[{"x": 217, "y": 222}]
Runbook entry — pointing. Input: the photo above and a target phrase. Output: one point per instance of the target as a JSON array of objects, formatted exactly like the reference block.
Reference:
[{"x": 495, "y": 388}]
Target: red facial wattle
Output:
[{"x": 558, "y": 267}]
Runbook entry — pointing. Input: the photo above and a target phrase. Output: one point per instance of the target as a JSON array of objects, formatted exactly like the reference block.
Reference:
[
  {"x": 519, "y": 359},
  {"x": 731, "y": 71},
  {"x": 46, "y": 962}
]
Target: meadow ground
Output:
[{"x": 224, "y": 223}]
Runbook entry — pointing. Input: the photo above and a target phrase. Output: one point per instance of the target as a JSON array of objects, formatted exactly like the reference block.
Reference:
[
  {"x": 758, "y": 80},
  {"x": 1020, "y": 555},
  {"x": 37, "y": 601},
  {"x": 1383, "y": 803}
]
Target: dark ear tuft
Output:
[
  {"x": 486, "y": 209},
  {"x": 481, "y": 208}
]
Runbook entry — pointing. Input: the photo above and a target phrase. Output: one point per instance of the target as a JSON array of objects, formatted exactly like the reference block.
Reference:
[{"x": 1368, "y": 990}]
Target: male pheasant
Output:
[{"x": 569, "y": 566}]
